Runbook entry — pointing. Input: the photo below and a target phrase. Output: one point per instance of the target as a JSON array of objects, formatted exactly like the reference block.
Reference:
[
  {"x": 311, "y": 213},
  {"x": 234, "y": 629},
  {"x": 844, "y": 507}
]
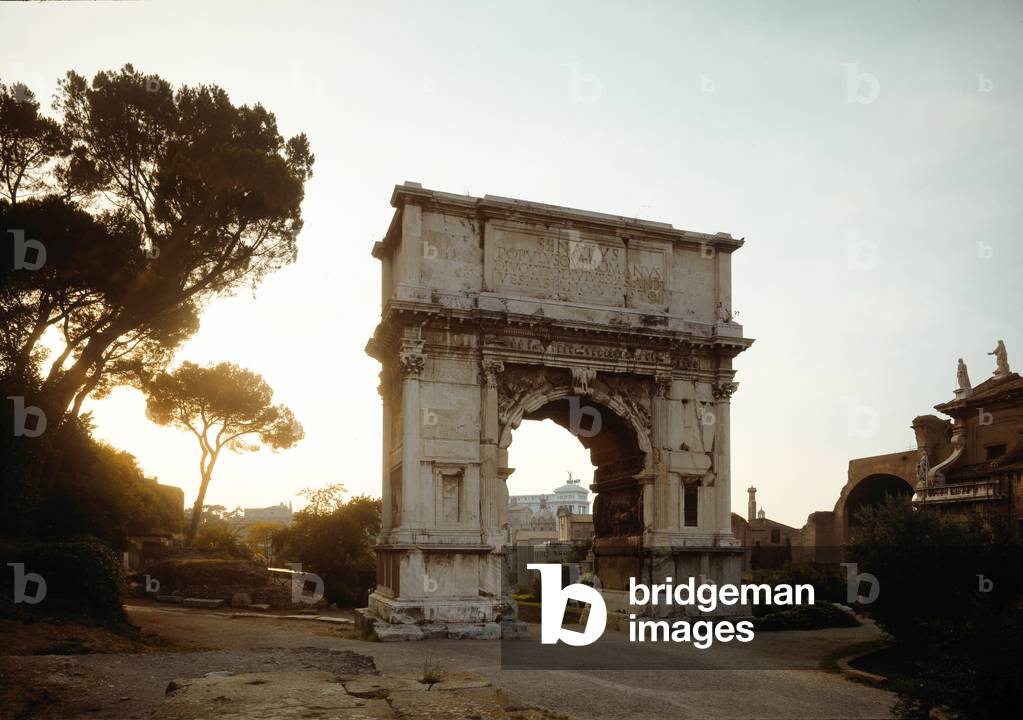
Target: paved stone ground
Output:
[{"x": 707, "y": 687}]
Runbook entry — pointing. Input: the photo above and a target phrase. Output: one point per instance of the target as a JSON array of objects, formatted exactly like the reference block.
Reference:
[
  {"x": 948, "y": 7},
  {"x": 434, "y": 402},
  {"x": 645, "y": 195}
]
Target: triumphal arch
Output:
[{"x": 497, "y": 310}]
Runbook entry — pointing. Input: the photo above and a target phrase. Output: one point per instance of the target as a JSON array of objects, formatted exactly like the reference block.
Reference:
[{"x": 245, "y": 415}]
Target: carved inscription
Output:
[
  {"x": 583, "y": 350},
  {"x": 574, "y": 268}
]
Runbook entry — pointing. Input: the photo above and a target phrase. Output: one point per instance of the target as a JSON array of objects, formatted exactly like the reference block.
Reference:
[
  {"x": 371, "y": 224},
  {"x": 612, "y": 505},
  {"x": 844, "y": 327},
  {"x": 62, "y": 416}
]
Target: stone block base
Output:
[
  {"x": 420, "y": 611},
  {"x": 368, "y": 624}
]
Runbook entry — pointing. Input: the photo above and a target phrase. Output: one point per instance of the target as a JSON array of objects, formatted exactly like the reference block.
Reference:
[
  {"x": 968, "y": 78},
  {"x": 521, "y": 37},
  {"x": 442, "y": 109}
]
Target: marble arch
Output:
[{"x": 496, "y": 310}]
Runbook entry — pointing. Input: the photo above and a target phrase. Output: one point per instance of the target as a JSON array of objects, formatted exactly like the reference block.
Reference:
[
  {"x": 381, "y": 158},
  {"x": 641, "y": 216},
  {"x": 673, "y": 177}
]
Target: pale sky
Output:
[{"x": 870, "y": 154}]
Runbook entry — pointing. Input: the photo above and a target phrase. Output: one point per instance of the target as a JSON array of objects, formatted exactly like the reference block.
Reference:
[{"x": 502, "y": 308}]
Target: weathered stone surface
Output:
[
  {"x": 514, "y": 630},
  {"x": 241, "y": 600},
  {"x": 386, "y": 632},
  {"x": 434, "y": 631},
  {"x": 498, "y": 310},
  {"x": 380, "y": 686},
  {"x": 202, "y": 602},
  {"x": 478, "y": 704},
  {"x": 267, "y": 696},
  {"x": 474, "y": 631},
  {"x": 364, "y": 621},
  {"x": 459, "y": 681}
]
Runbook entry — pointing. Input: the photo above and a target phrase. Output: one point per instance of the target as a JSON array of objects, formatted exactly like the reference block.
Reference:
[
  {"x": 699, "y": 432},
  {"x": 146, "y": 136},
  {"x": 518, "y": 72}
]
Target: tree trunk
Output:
[
  {"x": 58, "y": 393},
  {"x": 197, "y": 511}
]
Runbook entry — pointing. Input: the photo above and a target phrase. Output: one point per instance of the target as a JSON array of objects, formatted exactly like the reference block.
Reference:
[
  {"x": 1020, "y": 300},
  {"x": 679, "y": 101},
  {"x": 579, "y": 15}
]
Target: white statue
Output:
[
  {"x": 963, "y": 376},
  {"x": 923, "y": 467},
  {"x": 1002, "y": 359}
]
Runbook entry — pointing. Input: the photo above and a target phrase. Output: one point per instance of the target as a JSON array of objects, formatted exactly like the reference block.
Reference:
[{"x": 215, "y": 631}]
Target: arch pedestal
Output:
[{"x": 495, "y": 311}]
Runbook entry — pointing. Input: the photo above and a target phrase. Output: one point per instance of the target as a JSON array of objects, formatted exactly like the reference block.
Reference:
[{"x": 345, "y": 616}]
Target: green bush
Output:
[
  {"x": 968, "y": 638},
  {"x": 929, "y": 566},
  {"x": 177, "y": 573},
  {"x": 806, "y": 617},
  {"x": 222, "y": 541},
  {"x": 334, "y": 538},
  {"x": 83, "y": 577},
  {"x": 828, "y": 584}
]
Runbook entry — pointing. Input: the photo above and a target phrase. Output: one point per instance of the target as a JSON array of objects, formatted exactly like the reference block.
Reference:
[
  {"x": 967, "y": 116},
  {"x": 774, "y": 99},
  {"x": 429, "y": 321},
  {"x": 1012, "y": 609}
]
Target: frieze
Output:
[{"x": 586, "y": 350}]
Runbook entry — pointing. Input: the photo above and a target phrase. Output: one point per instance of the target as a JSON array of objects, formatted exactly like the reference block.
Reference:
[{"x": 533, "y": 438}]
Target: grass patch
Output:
[
  {"x": 59, "y": 636},
  {"x": 433, "y": 672}
]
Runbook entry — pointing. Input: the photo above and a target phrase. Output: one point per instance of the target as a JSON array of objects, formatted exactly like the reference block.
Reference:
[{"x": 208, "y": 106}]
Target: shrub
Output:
[
  {"x": 828, "y": 584},
  {"x": 83, "y": 577},
  {"x": 928, "y": 567},
  {"x": 222, "y": 541},
  {"x": 806, "y": 617},
  {"x": 335, "y": 539}
]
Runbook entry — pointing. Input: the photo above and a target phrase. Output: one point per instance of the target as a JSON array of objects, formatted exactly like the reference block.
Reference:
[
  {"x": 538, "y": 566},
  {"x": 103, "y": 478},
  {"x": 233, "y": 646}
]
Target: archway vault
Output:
[{"x": 495, "y": 311}]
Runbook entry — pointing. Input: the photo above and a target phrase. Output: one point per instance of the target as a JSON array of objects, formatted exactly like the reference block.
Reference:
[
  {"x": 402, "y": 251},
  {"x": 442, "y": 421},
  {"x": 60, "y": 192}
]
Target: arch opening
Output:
[
  {"x": 871, "y": 492},
  {"x": 616, "y": 454}
]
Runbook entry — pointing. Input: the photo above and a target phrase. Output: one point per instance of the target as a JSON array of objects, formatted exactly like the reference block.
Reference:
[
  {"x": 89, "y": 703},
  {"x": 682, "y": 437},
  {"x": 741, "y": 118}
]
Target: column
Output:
[
  {"x": 722, "y": 458},
  {"x": 412, "y": 362},
  {"x": 660, "y": 442},
  {"x": 490, "y": 491},
  {"x": 385, "y": 461}
]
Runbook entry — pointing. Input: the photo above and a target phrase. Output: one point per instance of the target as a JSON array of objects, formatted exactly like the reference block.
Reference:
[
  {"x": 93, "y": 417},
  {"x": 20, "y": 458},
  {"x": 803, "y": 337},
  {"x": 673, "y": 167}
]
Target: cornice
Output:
[{"x": 494, "y": 207}]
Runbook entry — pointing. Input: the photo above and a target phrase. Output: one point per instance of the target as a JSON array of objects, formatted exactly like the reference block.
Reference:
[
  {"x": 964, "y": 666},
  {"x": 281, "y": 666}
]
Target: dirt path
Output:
[{"x": 131, "y": 685}]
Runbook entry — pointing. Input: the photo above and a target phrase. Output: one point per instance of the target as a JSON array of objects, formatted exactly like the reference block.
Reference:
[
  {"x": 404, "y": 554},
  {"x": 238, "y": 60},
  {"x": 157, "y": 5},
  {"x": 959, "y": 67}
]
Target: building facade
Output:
[{"x": 969, "y": 462}]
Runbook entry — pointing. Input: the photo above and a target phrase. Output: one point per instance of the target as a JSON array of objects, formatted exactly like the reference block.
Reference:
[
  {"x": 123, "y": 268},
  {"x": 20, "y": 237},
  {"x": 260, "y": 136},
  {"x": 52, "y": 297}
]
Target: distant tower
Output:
[
  {"x": 762, "y": 515},
  {"x": 751, "y": 512}
]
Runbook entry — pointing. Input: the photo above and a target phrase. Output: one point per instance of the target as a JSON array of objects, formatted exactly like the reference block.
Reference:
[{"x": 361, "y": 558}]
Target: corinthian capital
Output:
[
  {"x": 724, "y": 390},
  {"x": 490, "y": 368},
  {"x": 412, "y": 358}
]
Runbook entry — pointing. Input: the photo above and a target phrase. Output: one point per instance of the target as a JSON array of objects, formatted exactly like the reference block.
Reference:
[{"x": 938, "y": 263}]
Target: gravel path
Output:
[{"x": 131, "y": 685}]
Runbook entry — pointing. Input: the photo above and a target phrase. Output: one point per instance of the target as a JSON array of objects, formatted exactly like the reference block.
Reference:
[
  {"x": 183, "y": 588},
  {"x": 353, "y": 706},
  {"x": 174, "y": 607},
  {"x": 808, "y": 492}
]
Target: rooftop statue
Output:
[
  {"x": 963, "y": 376},
  {"x": 1002, "y": 358}
]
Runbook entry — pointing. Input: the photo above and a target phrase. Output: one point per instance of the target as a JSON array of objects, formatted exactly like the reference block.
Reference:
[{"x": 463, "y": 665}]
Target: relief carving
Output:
[
  {"x": 634, "y": 394},
  {"x": 581, "y": 379},
  {"x": 515, "y": 385},
  {"x": 618, "y": 513}
]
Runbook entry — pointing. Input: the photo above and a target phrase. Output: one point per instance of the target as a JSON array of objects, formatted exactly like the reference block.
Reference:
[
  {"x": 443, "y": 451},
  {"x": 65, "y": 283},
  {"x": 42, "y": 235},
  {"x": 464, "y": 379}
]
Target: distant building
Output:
[
  {"x": 572, "y": 495},
  {"x": 768, "y": 543},
  {"x": 574, "y": 528},
  {"x": 274, "y": 514},
  {"x": 969, "y": 463},
  {"x": 535, "y": 517}
]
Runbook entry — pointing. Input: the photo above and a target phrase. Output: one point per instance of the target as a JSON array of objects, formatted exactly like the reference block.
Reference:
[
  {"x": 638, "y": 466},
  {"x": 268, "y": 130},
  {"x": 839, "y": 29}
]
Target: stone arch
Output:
[
  {"x": 867, "y": 481},
  {"x": 871, "y": 491},
  {"x": 497, "y": 310},
  {"x": 617, "y": 416},
  {"x": 619, "y": 449}
]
